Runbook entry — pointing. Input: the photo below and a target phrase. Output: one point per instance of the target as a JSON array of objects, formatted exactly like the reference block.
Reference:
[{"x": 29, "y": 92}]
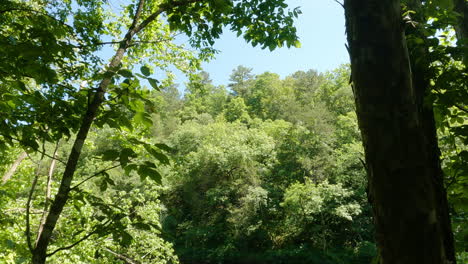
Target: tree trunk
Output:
[
  {"x": 403, "y": 174},
  {"x": 461, "y": 28},
  {"x": 39, "y": 252},
  {"x": 420, "y": 63}
]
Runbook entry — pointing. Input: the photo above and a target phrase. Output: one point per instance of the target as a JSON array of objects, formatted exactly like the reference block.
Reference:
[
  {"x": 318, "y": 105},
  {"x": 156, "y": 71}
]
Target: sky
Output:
[{"x": 321, "y": 31}]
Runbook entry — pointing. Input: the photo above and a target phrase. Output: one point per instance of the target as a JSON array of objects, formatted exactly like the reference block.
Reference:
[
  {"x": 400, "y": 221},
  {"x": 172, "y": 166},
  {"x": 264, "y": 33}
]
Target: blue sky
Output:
[{"x": 322, "y": 34}]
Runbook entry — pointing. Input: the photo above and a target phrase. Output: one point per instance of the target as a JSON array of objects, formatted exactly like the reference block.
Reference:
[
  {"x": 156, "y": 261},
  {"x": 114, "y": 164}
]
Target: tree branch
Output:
[
  {"x": 94, "y": 175},
  {"x": 47, "y": 194},
  {"x": 28, "y": 207},
  {"x": 51, "y": 157},
  {"x": 13, "y": 168},
  {"x": 79, "y": 241},
  {"x": 339, "y": 3},
  {"x": 127, "y": 259}
]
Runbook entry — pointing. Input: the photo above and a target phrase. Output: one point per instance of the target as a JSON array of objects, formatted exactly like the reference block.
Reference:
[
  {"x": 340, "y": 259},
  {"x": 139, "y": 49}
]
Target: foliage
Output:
[
  {"x": 262, "y": 170},
  {"x": 69, "y": 79}
]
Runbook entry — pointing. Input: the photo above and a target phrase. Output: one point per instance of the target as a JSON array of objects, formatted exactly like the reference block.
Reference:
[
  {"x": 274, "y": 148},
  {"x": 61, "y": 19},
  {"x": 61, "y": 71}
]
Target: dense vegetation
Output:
[
  {"x": 265, "y": 170},
  {"x": 107, "y": 163}
]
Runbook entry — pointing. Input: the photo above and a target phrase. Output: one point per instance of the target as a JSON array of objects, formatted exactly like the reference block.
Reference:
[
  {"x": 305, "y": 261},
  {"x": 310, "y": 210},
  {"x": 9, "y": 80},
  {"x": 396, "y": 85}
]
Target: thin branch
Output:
[
  {"x": 364, "y": 164},
  {"x": 78, "y": 241},
  {"x": 127, "y": 259},
  {"x": 461, "y": 108},
  {"x": 23, "y": 210},
  {"x": 51, "y": 157},
  {"x": 13, "y": 168},
  {"x": 94, "y": 175},
  {"x": 28, "y": 207},
  {"x": 47, "y": 194},
  {"x": 341, "y": 4},
  {"x": 135, "y": 43}
]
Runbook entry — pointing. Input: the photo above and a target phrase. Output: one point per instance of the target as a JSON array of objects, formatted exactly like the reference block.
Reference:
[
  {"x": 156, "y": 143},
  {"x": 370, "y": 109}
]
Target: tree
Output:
[
  {"x": 405, "y": 181},
  {"x": 239, "y": 80},
  {"x": 36, "y": 81}
]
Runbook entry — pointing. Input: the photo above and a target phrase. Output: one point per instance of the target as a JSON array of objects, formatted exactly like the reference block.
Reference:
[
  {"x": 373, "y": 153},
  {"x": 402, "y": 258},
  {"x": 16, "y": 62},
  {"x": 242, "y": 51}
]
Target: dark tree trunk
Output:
[
  {"x": 461, "y": 28},
  {"x": 405, "y": 183},
  {"x": 420, "y": 63}
]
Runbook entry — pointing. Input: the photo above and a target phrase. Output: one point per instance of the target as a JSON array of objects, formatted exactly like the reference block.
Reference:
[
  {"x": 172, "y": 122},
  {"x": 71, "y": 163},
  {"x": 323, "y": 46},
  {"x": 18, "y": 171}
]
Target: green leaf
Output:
[
  {"x": 143, "y": 118},
  {"x": 153, "y": 83},
  {"x": 125, "y": 122},
  {"x": 109, "y": 181},
  {"x": 125, "y": 73},
  {"x": 142, "y": 226},
  {"x": 163, "y": 147},
  {"x": 297, "y": 44},
  {"x": 129, "y": 168},
  {"x": 156, "y": 176},
  {"x": 125, "y": 154},
  {"x": 126, "y": 238},
  {"x": 145, "y": 71},
  {"x": 103, "y": 186},
  {"x": 149, "y": 164},
  {"x": 110, "y": 155},
  {"x": 146, "y": 170},
  {"x": 157, "y": 155}
]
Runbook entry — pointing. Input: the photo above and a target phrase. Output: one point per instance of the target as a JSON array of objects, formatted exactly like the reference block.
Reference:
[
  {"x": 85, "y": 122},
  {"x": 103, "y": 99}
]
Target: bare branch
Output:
[
  {"x": 13, "y": 168},
  {"x": 47, "y": 194},
  {"x": 51, "y": 157},
  {"x": 341, "y": 4},
  {"x": 28, "y": 207}
]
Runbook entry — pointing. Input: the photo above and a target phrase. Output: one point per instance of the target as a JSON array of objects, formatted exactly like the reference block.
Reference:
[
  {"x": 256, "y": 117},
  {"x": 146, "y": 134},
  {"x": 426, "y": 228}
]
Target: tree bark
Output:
[
  {"x": 461, "y": 7},
  {"x": 461, "y": 28},
  {"x": 404, "y": 176},
  {"x": 420, "y": 63}
]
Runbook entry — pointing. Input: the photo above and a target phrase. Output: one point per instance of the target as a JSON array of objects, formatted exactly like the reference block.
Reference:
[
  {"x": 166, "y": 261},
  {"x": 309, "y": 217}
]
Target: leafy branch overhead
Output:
[{"x": 66, "y": 90}]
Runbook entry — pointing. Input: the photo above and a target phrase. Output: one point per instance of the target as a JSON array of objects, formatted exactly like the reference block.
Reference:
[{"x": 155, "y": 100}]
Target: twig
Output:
[
  {"x": 364, "y": 164},
  {"x": 51, "y": 157},
  {"x": 94, "y": 175},
  {"x": 339, "y": 3},
  {"x": 79, "y": 241},
  {"x": 159, "y": 11},
  {"x": 127, "y": 259}
]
